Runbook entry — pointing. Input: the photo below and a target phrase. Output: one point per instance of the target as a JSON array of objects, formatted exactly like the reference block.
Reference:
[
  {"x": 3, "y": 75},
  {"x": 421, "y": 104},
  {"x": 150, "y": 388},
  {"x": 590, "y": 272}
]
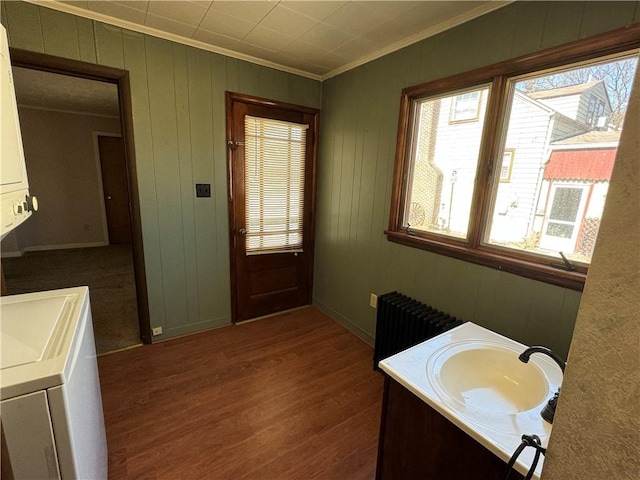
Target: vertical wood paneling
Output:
[
  {"x": 109, "y": 50},
  {"x": 167, "y": 175},
  {"x": 600, "y": 17},
  {"x": 86, "y": 40},
  {"x": 223, "y": 286},
  {"x": 201, "y": 118},
  {"x": 187, "y": 187},
  {"x": 136, "y": 64},
  {"x": 3, "y": 13},
  {"x": 24, "y": 26},
  {"x": 562, "y": 23},
  {"x": 59, "y": 34},
  {"x": 179, "y": 127},
  {"x": 527, "y": 310},
  {"x": 528, "y": 34},
  {"x": 232, "y": 74},
  {"x": 497, "y": 35}
]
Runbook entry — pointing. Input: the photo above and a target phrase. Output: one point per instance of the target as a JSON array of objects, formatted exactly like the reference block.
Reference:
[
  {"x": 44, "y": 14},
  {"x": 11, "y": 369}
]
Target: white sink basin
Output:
[{"x": 487, "y": 378}]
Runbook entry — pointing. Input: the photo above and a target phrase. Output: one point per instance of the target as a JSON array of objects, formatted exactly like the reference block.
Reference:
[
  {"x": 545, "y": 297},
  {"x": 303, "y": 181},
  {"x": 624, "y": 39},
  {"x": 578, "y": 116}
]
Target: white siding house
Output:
[{"x": 446, "y": 155}]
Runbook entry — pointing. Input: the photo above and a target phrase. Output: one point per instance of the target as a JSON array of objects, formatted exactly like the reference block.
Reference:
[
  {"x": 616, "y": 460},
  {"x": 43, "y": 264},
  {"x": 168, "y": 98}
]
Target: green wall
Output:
[
  {"x": 178, "y": 106},
  {"x": 358, "y": 136},
  {"x": 179, "y": 129}
]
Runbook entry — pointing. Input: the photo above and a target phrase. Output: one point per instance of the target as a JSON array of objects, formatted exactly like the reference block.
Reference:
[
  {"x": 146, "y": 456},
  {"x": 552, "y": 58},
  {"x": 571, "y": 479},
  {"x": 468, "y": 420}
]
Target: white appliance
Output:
[
  {"x": 16, "y": 204},
  {"x": 51, "y": 407}
]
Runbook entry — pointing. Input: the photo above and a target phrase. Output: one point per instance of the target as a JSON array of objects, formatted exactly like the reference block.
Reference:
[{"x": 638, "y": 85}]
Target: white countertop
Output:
[{"x": 500, "y": 434}]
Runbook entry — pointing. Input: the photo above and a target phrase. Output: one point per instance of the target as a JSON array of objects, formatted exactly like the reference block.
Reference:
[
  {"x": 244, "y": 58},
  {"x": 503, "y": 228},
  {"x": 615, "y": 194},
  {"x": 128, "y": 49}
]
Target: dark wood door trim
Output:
[
  {"x": 309, "y": 241},
  {"x": 75, "y": 68}
]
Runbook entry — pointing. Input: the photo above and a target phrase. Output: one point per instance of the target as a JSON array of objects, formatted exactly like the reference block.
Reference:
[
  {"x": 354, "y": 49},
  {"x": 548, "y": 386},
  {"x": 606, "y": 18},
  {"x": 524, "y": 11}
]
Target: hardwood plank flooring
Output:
[{"x": 287, "y": 397}]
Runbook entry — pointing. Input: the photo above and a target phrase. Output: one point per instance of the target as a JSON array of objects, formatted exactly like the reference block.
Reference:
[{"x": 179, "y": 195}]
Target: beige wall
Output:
[
  {"x": 65, "y": 176},
  {"x": 596, "y": 433}
]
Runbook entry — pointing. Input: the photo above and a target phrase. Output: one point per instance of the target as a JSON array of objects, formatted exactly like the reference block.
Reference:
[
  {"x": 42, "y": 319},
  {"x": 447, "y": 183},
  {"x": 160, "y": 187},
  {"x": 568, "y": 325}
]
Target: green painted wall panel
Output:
[
  {"x": 562, "y": 23},
  {"x": 220, "y": 186},
  {"x": 178, "y": 107},
  {"x": 3, "y": 13},
  {"x": 201, "y": 118},
  {"x": 136, "y": 64},
  {"x": 366, "y": 99},
  {"x": 222, "y": 261},
  {"x": 109, "y": 49},
  {"x": 167, "y": 178},
  {"x": 24, "y": 26},
  {"x": 599, "y": 17},
  {"x": 60, "y": 34},
  {"x": 187, "y": 188},
  {"x": 530, "y": 26},
  {"x": 86, "y": 40}
]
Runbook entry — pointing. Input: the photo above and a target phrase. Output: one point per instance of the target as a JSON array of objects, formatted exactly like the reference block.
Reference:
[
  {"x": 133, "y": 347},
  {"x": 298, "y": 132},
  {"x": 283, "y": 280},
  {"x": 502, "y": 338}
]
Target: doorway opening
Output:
[
  {"x": 78, "y": 136},
  {"x": 272, "y": 181}
]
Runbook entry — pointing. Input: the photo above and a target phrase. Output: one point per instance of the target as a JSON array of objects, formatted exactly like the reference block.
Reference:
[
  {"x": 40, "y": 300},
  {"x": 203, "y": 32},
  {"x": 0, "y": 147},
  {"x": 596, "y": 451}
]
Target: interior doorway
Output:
[
  {"x": 272, "y": 164},
  {"x": 114, "y": 186},
  {"x": 115, "y": 264}
]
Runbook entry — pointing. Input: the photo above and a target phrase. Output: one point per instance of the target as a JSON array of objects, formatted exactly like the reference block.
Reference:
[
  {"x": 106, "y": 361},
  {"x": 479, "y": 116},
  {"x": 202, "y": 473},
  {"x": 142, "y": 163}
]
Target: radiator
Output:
[{"x": 403, "y": 322}]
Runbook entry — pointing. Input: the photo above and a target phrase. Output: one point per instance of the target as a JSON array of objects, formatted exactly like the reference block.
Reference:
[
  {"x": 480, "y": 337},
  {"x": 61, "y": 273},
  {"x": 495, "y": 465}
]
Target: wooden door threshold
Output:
[{"x": 273, "y": 314}]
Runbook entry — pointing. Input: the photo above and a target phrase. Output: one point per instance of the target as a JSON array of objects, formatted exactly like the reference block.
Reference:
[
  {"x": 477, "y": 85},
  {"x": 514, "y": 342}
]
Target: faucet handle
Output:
[{"x": 549, "y": 409}]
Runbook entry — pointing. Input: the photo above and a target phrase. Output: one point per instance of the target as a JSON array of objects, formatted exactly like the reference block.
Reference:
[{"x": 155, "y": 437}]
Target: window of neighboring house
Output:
[
  {"x": 595, "y": 110},
  {"x": 459, "y": 188},
  {"x": 465, "y": 107},
  {"x": 507, "y": 164}
]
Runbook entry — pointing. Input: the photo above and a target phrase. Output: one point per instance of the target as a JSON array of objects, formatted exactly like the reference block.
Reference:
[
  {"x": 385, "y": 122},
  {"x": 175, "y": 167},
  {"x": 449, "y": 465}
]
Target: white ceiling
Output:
[
  {"x": 52, "y": 91},
  {"x": 317, "y": 39}
]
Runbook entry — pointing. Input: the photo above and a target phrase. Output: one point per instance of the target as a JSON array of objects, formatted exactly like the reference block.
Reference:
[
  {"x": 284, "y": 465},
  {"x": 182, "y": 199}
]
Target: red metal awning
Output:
[{"x": 594, "y": 165}]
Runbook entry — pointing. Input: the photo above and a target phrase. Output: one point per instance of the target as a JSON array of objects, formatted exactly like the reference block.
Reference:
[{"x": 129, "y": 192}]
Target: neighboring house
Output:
[
  {"x": 541, "y": 126},
  {"x": 577, "y": 176},
  {"x": 587, "y": 103}
]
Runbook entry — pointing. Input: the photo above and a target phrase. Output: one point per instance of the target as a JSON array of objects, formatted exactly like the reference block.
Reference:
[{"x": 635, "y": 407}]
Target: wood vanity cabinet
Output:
[{"x": 417, "y": 442}]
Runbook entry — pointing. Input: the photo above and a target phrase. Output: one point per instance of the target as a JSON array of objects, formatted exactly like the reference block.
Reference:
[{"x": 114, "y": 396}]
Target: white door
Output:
[{"x": 563, "y": 217}]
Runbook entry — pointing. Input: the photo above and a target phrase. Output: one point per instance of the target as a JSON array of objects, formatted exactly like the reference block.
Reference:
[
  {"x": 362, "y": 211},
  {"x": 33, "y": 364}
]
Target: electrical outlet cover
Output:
[{"x": 203, "y": 189}]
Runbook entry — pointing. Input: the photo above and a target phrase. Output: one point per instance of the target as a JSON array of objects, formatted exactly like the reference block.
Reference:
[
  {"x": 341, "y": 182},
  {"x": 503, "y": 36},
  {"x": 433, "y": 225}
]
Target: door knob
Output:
[
  {"x": 108, "y": 197},
  {"x": 242, "y": 231}
]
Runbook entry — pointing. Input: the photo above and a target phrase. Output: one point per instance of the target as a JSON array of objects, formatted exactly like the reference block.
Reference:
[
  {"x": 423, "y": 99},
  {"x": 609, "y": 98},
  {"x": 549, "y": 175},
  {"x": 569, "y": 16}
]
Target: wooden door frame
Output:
[
  {"x": 119, "y": 77},
  {"x": 231, "y": 99}
]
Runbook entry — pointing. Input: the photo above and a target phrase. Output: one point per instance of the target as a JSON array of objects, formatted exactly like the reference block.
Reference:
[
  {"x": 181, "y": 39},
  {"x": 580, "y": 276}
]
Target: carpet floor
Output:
[{"x": 107, "y": 271}]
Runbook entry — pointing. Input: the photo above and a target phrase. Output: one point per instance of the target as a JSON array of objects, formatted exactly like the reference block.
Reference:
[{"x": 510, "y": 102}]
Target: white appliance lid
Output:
[
  {"x": 27, "y": 326},
  {"x": 39, "y": 333}
]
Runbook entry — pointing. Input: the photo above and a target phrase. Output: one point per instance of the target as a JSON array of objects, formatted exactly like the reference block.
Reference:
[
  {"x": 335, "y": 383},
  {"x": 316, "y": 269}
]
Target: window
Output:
[
  {"x": 465, "y": 107},
  {"x": 461, "y": 190},
  {"x": 274, "y": 182},
  {"x": 595, "y": 110},
  {"x": 507, "y": 164}
]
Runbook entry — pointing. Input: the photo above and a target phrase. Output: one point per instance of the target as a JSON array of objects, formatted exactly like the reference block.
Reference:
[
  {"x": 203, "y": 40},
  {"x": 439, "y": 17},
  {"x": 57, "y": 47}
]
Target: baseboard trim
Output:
[
  {"x": 64, "y": 246},
  {"x": 344, "y": 321}
]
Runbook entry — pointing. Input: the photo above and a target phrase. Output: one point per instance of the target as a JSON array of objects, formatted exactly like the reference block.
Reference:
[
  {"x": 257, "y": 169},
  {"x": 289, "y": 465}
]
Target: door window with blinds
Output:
[{"x": 274, "y": 185}]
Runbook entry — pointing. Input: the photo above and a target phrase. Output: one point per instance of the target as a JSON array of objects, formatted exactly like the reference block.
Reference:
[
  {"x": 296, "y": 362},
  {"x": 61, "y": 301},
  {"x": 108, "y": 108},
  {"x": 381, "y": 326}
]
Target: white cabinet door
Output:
[{"x": 29, "y": 436}]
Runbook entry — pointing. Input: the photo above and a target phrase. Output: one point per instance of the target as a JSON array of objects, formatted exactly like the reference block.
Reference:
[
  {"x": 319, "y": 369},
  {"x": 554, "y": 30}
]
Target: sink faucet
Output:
[{"x": 549, "y": 409}]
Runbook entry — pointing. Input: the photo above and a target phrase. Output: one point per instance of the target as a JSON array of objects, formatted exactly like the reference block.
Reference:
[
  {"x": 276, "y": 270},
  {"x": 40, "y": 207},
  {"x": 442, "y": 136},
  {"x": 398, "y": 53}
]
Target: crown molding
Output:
[{"x": 136, "y": 27}]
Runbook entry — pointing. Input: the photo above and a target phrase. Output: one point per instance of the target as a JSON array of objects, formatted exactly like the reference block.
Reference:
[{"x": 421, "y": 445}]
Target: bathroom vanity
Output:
[{"x": 457, "y": 405}]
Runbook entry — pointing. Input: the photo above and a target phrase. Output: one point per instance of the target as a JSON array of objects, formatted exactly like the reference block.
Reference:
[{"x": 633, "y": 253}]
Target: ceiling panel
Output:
[
  {"x": 184, "y": 12},
  {"x": 318, "y": 38}
]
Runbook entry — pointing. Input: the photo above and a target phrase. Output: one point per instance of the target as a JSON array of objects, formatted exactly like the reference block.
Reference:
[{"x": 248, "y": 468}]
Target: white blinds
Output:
[{"x": 274, "y": 185}]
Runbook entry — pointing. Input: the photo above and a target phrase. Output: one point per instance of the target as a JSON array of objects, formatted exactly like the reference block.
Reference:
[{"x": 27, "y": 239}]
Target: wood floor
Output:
[{"x": 287, "y": 397}]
